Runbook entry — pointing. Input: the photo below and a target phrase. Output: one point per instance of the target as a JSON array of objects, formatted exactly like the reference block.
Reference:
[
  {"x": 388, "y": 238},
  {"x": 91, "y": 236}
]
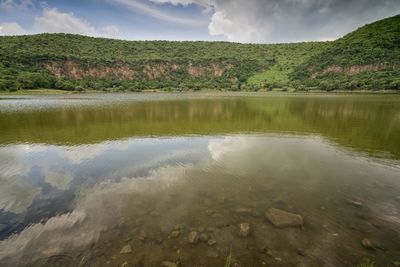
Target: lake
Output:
[{"x": 193, "y": 179}]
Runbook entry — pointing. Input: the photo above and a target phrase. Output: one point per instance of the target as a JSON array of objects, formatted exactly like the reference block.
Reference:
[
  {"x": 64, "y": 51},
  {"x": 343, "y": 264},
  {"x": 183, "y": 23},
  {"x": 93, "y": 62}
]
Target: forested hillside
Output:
[
  {"x": 74, "y": 62},
  {"x": 365, "y": 59},
  {"x": 368, "y": 58}
]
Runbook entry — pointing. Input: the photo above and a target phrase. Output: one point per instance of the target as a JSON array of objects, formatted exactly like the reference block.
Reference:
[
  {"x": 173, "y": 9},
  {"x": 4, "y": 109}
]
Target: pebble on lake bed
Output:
[
  {"x": 282, "y": 219},
  {"x": 354, "y": 203},
  {"x": 168, "y": 264},
  {"x": 142, "y": 235},
  {"x": 126, "y": 249},
  {"x": 211, "y": 242},
  {"x": 193, "y": 237},
  {"x": 175, "y": 234},
  {"x": 212, "y": 254},
  {"x": 369, "y": 244},
  {"x": 244, "y": 229}
]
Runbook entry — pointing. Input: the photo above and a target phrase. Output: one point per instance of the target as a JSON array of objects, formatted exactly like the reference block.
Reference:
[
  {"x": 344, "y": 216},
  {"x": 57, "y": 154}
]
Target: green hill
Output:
[
  {"x": 368, "y": 58},
  {"x": 71, "y": 62},
  {"x": 365, "y": 59}
]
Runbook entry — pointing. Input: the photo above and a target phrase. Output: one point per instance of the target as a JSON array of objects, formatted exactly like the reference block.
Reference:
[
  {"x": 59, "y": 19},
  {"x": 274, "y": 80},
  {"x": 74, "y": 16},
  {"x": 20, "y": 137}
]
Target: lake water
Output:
[{"x": 164, "y": 179}]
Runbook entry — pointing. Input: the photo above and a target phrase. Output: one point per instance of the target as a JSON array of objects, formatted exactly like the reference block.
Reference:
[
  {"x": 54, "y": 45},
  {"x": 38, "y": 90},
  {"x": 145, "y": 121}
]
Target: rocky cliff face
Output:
[
  {"x": 150, "y": 71},
  {"x": 353, "y": 70},
  {"x": 73, "y": 70}
]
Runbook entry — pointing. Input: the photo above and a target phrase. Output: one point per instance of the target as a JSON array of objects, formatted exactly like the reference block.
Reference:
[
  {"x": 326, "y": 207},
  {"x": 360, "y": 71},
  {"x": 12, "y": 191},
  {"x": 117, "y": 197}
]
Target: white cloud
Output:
[
  {"x": 271, "y": 21},
  {"x": 221, "y": 24},
  {"x": 111, "y": 31},
  {"x": 55, "y": 21},
  {"x": 11, "y": 28},
  {"x": 10, "y": 5},
  {"x": 156, "y": 13},
  {"x": 183, "y": 2}
]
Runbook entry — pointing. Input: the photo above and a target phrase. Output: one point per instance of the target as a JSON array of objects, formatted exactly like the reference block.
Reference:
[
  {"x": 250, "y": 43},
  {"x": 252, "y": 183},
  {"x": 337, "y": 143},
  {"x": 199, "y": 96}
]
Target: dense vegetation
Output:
[
  {"x": 365, "y": 59},
  {"x": 368, "y": 58},
  {"x": 153, "y": 64}
]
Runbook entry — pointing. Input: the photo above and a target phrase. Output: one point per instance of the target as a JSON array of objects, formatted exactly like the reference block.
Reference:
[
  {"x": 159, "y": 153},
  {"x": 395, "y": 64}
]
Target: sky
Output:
[{"x": 245, "y": 21}]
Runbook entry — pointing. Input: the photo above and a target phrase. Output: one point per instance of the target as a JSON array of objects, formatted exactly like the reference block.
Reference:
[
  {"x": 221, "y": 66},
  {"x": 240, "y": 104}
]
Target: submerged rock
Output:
[
  {"x": 142, "y": 235},
  {"x": 212, "y": 254},
  {"x": 179, "y": 227},
  {"x": 126, "y": 249},
  {"x": 369, "y": 244},
  {"x": 280, "y": 218},
  {"x": 274, "y": 255},
  {"x": 211, "y": 242},
  {"x": 53, "y": 251},
  {"x": 244, "y": 229},
  {"x": 168, "y": 264},
  {"x": 175, "y": 234},
  {"x": 354, "y": 203},
  {"x": 193, "y": 237}
]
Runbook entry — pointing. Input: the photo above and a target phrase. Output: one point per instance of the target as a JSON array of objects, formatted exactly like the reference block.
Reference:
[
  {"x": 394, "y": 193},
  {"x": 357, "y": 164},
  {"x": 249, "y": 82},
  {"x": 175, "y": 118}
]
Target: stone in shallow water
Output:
[
  {"x": 354, "y": 203},
  {"x": 168, "y": 264},
  {"x": 369, "y": 244},
  {"x": 179, "y": 227},
  {"x": 280, "y": 218},
  {"x": 193, "y": 237},
  {"x": 274, "y": 255},
  {"x": 244, "y": 229},
  {"x": 212, "y": 254},
  {"x": 211, "y": 242},
  {"x": 53, "y": 251},
  {"x": 142, "y": 235},
  {"x": 175, "y": 234},
  {"x": 126, "y": 249}
]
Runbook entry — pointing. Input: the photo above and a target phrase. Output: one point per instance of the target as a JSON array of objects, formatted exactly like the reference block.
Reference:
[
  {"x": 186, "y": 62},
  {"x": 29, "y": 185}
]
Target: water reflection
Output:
[
  {"x": 367, "y": 123},
  {"x": 77, "y": 205}
]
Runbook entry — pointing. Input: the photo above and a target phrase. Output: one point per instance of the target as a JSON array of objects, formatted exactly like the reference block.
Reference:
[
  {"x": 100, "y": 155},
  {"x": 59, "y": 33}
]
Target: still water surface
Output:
[{"x": 158, "y": 179}]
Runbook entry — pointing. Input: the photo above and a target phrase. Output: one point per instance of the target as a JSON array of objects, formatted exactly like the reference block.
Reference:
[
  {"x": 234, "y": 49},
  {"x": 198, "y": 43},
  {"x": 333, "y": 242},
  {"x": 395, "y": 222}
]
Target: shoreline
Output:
[{"x": 65, "y": 92}]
